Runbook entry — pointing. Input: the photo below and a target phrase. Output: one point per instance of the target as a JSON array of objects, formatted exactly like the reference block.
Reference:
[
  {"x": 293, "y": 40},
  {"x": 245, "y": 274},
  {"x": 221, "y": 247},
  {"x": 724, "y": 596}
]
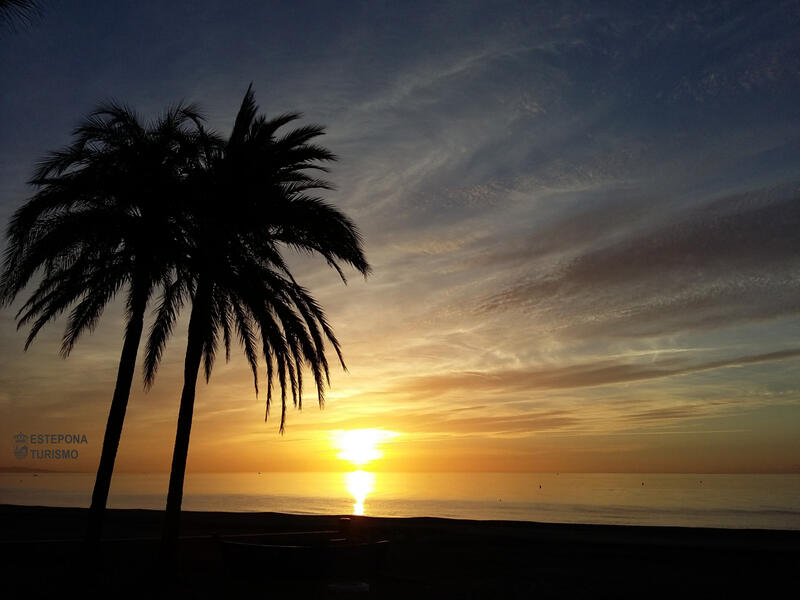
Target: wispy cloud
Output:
[
  {"x": 580, "y": 375},
  {"x": 732, "y": 260}
]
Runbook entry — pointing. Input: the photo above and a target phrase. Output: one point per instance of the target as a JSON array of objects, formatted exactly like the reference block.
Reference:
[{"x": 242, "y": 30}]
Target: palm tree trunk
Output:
[
  {"x": 116, "y": 416},
  {"x": 194, "y": 353}
]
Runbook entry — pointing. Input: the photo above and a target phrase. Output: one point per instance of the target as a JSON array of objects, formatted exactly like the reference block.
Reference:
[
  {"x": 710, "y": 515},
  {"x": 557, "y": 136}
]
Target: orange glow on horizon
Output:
[{"x": 361, "y": 446}]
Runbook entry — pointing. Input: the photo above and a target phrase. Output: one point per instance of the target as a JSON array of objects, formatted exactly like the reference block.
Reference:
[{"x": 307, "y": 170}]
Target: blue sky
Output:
[{"x": 582, "y": 217}]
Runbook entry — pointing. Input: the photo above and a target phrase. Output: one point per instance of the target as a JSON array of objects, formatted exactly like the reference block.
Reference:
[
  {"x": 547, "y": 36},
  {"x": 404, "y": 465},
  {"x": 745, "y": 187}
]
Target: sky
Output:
[{"x": 583, "y": 220}]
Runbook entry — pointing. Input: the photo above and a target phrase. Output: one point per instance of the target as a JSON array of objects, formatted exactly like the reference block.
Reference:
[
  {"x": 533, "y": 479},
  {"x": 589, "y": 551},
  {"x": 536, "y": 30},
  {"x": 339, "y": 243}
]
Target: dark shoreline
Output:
[{"x": 429, "y": 557}]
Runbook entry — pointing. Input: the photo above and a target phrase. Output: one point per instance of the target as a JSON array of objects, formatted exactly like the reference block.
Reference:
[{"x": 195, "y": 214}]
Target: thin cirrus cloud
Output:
[
  {"x": 734, "y": 259},
  {"x": 581, "y": 375}
]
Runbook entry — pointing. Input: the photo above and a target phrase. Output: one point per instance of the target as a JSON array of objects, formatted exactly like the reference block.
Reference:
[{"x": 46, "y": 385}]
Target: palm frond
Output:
[
  {"x": 85, "y": 315},
  {"x": 19, "y": 13},
  {"x": 248, "y": 339},
  {"x": 169, "y": 305},
  {"x": 244, "y": 119}
]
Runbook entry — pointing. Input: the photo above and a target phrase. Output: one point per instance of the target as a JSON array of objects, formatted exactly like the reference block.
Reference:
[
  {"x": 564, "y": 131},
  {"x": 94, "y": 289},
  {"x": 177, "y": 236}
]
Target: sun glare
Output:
[{"x": 360, "y": 446}]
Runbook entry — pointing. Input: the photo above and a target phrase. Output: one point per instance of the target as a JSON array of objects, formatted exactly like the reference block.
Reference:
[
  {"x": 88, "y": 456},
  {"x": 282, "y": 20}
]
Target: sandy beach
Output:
[{"x": 426, "y": 558}]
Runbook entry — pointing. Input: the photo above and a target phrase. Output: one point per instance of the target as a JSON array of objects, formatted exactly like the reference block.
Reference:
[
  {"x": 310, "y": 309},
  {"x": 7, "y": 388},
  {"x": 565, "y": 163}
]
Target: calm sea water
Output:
[{"x": 731, "y": 501}]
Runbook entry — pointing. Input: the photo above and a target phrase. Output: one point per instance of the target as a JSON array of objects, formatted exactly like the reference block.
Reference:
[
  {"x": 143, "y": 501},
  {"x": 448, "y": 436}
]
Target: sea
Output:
[{"x": 684, "y": 500}]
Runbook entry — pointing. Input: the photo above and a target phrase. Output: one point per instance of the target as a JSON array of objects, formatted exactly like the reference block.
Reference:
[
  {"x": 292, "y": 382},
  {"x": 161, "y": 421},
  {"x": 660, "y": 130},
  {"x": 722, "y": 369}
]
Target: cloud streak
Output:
[
  {"x": 733, "y": 260},
  {"x": 579, "y": 375}
]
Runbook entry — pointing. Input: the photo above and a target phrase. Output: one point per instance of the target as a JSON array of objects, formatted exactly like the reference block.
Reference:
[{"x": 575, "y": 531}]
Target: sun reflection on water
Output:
[
  {"x": 359, "y": 484},
  {"x": 359, "y": 447}
]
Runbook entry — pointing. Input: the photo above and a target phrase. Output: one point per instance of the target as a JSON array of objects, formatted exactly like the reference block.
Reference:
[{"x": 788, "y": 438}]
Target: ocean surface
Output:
[{"x": 689, "y": 500}]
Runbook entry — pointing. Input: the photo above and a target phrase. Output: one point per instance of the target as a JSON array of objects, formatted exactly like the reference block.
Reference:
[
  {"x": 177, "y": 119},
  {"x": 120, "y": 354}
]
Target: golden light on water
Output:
[
  {"x": 360, "y": 446},
  {"x": 359, "y": 484}
]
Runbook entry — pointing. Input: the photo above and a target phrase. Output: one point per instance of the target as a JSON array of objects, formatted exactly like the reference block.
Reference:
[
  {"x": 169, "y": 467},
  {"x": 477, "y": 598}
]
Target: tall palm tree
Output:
[
  {"x": 252, "y": 199},
  {"x": 106, "y": 215}
]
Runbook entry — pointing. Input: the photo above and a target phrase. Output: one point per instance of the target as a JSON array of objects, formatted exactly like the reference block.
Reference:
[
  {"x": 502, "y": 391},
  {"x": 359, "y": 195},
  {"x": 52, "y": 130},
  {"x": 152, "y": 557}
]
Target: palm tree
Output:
[
  {"x": 251, "y": 200},
  {"x": 106, "y": 215}
]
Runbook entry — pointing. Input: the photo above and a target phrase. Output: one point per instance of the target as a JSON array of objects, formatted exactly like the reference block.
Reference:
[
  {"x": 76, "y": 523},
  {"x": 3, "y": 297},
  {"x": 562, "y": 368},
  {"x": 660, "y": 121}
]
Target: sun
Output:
[{"x": 360, "y": 446}]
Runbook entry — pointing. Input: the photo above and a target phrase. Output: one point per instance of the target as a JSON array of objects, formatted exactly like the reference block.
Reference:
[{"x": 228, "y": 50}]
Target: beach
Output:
[{"x": 426, "y": 557}]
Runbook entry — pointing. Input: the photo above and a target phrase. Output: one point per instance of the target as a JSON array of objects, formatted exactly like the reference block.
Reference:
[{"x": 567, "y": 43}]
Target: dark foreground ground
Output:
[{"x": 42, "y": 557}]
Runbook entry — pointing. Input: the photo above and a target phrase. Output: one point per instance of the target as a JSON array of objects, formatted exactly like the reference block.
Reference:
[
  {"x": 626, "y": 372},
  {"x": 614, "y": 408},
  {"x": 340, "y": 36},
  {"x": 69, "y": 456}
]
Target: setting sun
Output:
[{"x": 360, "y": 446}]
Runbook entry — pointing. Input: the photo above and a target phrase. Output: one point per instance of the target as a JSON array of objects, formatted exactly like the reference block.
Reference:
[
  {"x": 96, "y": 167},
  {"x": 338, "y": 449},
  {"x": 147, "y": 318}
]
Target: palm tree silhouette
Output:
[
  {"x": 253, "y": 199},
  {"x": 106, "y": 215}
]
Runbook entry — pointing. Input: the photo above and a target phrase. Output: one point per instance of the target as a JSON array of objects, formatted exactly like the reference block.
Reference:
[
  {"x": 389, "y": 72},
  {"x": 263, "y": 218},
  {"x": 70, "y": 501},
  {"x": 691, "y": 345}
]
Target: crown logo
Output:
[{"x": 20, "y": 438}]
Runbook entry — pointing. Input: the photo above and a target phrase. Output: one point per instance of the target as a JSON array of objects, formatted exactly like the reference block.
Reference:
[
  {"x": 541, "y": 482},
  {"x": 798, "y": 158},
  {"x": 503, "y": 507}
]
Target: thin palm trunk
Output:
[
  {"x": 194, "y": 353},
  {"x": 116, "y": 417}
]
